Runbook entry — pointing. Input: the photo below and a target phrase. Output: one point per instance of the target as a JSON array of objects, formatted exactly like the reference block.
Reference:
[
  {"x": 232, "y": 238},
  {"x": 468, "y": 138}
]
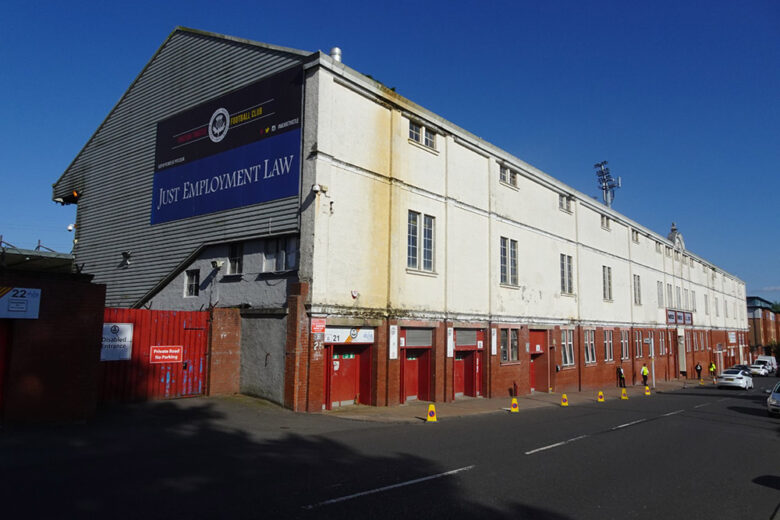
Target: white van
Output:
[{"x": 771, "y": 361}]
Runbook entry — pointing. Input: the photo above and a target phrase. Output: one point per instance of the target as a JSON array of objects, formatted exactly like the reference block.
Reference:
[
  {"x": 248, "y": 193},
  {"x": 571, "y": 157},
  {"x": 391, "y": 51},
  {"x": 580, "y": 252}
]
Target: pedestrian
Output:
[
  {"x": 698, "y": 370},
  {"x": 644, "y": 373},
  {"x": 713, "y": 369},
  {"x": 621, "y": 377},
  {"x": 617, "y": 375}
]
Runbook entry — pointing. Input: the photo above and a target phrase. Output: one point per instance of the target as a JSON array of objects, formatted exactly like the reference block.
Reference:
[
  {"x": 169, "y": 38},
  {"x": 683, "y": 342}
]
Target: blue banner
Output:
[{"x": 258, "y": 172}]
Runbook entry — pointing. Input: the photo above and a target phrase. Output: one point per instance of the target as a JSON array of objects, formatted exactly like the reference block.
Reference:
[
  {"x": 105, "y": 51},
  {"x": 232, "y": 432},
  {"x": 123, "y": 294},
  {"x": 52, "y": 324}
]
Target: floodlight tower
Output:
[{"x": 607, "y": 183}]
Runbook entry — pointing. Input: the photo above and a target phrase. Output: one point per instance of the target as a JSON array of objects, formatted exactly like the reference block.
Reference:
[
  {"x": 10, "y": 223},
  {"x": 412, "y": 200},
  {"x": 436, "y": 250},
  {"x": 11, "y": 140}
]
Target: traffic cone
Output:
[
  {"x": 647, "y": 390},
  {"x": 513, "y": 407},
  {"x": 431, "y": 414},
  {"x": 601, "y": 396},
  {"x": 701, "y": 382},
  {"x": 564, "y": 400},
  {"x": 623, "y": 394}
]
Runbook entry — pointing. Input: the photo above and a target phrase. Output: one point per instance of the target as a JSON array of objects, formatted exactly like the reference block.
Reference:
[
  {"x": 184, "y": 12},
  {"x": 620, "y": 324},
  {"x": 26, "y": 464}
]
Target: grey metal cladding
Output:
[{"x": 114, "y": 171}]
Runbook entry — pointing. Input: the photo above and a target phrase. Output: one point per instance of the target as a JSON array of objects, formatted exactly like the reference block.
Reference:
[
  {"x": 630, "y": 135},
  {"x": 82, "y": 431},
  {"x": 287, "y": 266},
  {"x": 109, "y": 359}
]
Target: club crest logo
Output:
[{"x": 218, "y": 125}]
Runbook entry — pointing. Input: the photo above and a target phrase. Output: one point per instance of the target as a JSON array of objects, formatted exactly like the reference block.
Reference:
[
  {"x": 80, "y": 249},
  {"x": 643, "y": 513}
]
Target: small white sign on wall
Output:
[
  {"x": 493, "y": 346},
  {"x": 393, "y": 347},
  {"x": 450, "y": 342},
  {"x": 117, "y": 342}
]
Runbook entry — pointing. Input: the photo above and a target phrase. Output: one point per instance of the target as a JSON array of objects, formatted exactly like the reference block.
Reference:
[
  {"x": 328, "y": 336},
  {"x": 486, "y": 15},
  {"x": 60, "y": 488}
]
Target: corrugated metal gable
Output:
[{"x": 114, "y": 172}]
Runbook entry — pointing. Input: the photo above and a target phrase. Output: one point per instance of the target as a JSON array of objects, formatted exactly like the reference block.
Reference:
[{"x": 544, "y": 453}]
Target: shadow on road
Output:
[{"x": 168, "y": 460}]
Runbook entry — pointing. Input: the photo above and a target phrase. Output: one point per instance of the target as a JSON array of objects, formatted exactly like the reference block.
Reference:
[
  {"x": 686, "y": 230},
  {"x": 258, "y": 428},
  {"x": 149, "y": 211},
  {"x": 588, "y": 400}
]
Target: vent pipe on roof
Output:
[{"x": 335, "y": 53}]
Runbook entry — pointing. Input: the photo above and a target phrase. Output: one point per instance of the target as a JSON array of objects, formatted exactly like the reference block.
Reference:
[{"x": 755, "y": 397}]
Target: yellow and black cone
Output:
[
  {"x": 601, "y": 396},
  {"x": 513, "y": 407},
  {"x": 647, "y": 390},
  {"x": 624, "y": 394},
  {"x": 564, "y": 400},
  {"x": 431, "y": 417},
  {"x": 701, "y": 382}
]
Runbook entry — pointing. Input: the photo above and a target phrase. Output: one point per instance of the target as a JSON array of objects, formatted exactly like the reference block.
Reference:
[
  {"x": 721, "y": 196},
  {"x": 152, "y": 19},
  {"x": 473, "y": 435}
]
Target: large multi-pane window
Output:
[
  {"x": 637, "y": 290},
  {"x": 567, "y": 278},
  {"x": 625, "y": 353},
  {"x": 567, "y": 347},
  {"x": 420, "y": 255},
  {"x": 638, "y": 343},
  {"x": 590, "y": 347},
  {"x": 608, "y": 351},
  {"x": 606, "y": 282},
  {"x": 509, "y": 345},
  {"x": 508, "y": 266},
  {"x": 662, "y": 343},
  {"x": 280, "y": 254},
  {"x": 422, "y": 134}
]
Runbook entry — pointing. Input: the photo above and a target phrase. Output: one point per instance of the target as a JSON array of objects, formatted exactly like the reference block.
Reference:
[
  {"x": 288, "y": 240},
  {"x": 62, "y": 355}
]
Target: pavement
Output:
[{"x": 416, "y": 411}]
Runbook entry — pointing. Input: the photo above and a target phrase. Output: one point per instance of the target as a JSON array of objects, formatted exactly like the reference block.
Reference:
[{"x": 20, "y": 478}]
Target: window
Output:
[
  {"x": 695, "y": 343},
  {"x": 413, "y": 260},
  {"x": 635, "y": 235},
  {"x": 422, "y": 134},
  {"x": 717, "y": 309},
  {"x": 660, "y": 294},
  {"x": 677, "y": 299},
  {"x": 608, "y": 352},
  {"x": 662, "y": 343},
  {"x": 508, "y": 261},
  {"x": 235, "y": 259},
  {"x": 658, "y": 247},
  {"x": 687, "y": 341},
  {"x": 604, "y": 221},
  {"x": 567, "y": 347},
  {"x": 564, "y": 203},
  {"x": 637, "y": 290},
  {"x": 504, "y": 345},
  {"x": 669, "y": 295},
  {"x": 192, "y": 283},
  {"x": 280, "y": 254},
  {"x": 725, "y": 308},
  {"x": 567, "y": 286},
  {"x": 693, "y": 301},
  {"x": 668, "y": 251},
  {"x": 509, "y": 345},
  {"x": 590, "y": 348},
  {"x": 606, "y": 282},
  {"x": 513, "y": 346},
  {"x": 707, "y": 304},
  {"x": 508, "y": 176},
  {"x": 685, "y": 299},
  {"x": 624, "y": 351},
  {"x": 638, "y": 343}
]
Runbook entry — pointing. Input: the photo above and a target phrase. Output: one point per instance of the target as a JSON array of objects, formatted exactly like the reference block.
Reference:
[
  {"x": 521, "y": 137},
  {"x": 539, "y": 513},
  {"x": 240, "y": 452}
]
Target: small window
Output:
[
  {"x": 415, "y": 132},
  {"x": 606, "y": 282},
  {"x": 236, "y": 259},
  {"x": 625, "y": 352},
  {"x": 430, "y": 138},
  {"x": 567, "y": 348},
  {"x": 564, "y": 203},
  {"x": 608, "y": 350},
  {"x": 192, "y": 283},
  {"x": 637, "y": 290},
  {"x": 590, "y": 347},
  {"x": 638, "y": 343},
  {"x": 635, "y": 235},
  {"x": 567, "y": 277},
  {"x": 422, "y": 134},
  {"x": 668, "y": 251},
  {"x": 280, "y": 254},
  {"x": 660, "y": 287},
  {"x": 604, "y": 221},
  {"x": 508, "y": 176},
  {"x": 658, "y": 247}
]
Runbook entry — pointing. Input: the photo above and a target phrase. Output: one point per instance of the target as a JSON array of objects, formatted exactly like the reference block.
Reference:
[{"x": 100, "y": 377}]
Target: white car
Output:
[
  {"x": 759, "y": 369},
  {"x": 773, "y": 401},
  {"x": 735, "y": 378}
]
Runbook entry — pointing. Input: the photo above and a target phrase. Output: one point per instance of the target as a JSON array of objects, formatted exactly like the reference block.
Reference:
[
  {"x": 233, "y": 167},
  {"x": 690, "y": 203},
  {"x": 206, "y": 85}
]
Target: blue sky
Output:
[{"x": 682, "y": 98}]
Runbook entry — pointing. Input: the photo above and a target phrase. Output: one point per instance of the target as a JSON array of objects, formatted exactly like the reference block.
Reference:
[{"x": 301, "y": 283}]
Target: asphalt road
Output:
[{"x": 696, "y": 453}]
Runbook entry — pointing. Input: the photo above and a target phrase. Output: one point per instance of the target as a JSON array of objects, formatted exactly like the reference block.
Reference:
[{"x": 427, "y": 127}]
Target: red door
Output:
[
  {"x": 345, "y": 376},
  {"x": 459, "y": 373},
  {"x": 412, "y": 374}
]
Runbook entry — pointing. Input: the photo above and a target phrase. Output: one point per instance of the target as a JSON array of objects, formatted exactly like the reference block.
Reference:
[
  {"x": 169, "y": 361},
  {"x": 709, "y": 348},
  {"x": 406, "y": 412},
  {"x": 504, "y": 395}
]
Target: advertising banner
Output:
[
  {"x": 347, "y": 335},
  {"x": 117, "y": 342},
  {"x": 239, "y": 149}
]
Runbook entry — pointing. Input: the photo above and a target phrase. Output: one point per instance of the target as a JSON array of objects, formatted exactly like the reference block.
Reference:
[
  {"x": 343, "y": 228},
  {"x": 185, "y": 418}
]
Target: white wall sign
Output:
[
  {"x": 493, "y": 346},
  {"x": 19, "y": 303},
  {"x": 347, "y": 335},
  {"x": 450, "y": 342},
  {"x": 393, "y": 347},
  {"x": 117, "y": 342}
]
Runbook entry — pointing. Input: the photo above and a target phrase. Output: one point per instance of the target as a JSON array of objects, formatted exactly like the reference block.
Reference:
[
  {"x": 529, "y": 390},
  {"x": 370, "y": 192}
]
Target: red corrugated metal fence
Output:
[{"x": 138, "y": 379}]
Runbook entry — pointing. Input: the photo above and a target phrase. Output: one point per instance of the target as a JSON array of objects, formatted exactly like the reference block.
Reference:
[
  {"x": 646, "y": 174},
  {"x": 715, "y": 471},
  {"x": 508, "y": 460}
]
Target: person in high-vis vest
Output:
[
  {"x": 713, "y": 369},
  {"x": 645, "y": 372}
]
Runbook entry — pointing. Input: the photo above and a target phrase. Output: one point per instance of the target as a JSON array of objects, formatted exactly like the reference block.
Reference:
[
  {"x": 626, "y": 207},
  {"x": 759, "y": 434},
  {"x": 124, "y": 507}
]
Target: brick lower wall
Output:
[{"x": 224, "y": 351}]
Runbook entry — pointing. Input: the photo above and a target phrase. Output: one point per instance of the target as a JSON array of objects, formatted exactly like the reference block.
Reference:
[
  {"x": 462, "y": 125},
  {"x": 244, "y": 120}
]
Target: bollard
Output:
[
  {"x": 513, "y": 407},
  {"x": 431, "y": 414},
  {"x": 564, "y": 400},
  {"x": 601, "y": 396}
]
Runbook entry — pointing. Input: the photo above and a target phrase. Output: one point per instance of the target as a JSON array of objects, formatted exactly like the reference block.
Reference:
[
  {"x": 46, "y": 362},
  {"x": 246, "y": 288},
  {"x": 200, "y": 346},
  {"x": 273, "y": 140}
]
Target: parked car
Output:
[
  {"x": 735, "y": 378},
  {"x": 770, "y": 360},
  {"x": 773, "y": 401},
  {"x": 759, "y": 368},
  {"x": 741, "y": 367}
]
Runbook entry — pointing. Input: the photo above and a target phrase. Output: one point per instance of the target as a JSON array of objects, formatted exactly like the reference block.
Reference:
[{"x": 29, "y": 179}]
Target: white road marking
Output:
[
  {"x": 385, "y": 488},
  {"x": 672, "y": 413},
  {"x": 701, "y": 405},
  {"x": 557, "y": 444},
  {"x": 629, "y": 424}
]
